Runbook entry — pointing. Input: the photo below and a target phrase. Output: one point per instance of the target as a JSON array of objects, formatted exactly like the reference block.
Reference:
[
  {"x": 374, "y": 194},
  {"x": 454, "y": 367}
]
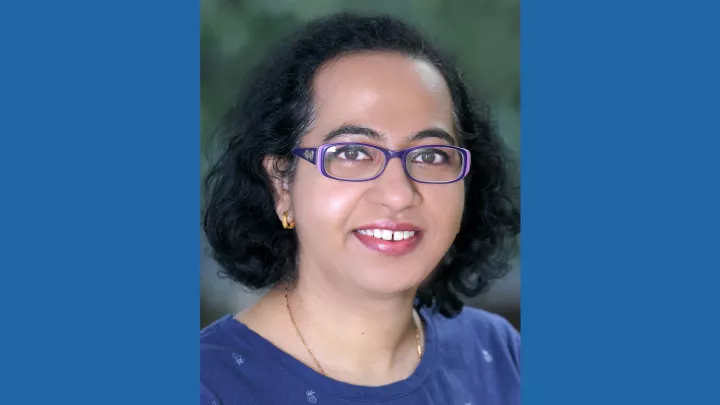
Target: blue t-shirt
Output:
[{"x": 473, "y": 358}]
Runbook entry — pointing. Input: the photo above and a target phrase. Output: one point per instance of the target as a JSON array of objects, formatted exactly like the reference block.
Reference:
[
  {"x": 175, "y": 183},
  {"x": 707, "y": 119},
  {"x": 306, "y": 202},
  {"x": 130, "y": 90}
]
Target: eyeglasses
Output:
[{"x": 351, "y": 161}]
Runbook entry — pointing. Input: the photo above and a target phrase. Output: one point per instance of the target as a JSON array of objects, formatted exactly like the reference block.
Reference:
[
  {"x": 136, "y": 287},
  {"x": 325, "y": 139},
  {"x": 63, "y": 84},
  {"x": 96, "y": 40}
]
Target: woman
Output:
[{"x": 364, "y": 188}]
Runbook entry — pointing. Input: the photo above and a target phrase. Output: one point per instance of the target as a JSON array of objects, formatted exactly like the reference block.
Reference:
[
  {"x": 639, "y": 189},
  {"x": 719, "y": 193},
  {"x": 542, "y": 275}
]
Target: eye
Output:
[
  {"x": 430, "y": 157},
  {"x": 352, "y": 153}
]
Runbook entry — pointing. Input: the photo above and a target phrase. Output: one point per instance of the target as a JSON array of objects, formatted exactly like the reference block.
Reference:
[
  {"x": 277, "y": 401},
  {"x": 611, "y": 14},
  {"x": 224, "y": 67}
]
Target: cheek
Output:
[
  {"x": 445, "y": 206},
  {"x": 323, "y": 204}
]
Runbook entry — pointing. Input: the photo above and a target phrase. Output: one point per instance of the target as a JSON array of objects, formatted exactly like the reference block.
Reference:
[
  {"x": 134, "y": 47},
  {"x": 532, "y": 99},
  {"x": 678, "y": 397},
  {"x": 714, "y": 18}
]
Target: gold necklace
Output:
[{"x": 416, "y": 320}]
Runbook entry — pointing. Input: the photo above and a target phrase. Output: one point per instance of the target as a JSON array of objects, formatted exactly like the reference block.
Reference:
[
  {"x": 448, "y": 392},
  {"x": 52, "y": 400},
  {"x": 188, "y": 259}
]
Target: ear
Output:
[{"x": 275, "y": 166}]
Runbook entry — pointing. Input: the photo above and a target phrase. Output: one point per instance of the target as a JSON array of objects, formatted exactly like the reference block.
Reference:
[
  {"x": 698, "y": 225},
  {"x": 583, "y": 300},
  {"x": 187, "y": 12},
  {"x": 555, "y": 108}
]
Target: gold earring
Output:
[{"x": 287, "y": 223}]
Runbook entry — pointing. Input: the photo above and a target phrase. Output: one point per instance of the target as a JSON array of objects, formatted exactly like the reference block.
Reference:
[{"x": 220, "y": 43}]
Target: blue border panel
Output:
[
  {"x": 99, "y": 107},
  {"x": 620, "y": 148},
  {"x": 99, "y": 211}
]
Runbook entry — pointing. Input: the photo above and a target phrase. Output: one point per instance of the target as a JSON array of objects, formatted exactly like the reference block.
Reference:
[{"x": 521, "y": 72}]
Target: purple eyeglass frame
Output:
[{"x": 316, "y": 156}]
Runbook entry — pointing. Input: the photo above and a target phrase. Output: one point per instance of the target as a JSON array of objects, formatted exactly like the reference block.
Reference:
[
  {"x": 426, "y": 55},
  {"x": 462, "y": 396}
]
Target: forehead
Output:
[{"x": 388, "y": 92}]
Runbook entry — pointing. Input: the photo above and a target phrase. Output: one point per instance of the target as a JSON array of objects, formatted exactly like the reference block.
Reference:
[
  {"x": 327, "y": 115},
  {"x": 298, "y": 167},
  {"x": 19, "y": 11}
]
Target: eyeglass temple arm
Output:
[{"x": 305, "y": 153}]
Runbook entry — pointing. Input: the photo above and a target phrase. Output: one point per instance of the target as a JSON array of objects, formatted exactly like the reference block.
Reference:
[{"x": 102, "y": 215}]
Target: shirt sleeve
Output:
[
  {"x": 210, "y": 397},
  {"x": 207, "y": 397},
  {"x": 513, "y": 344},
  {"x": 205, "y": 400}
]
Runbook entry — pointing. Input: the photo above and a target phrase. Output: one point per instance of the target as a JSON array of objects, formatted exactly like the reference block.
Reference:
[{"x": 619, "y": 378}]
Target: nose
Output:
[{"x": 394, "y": 189}]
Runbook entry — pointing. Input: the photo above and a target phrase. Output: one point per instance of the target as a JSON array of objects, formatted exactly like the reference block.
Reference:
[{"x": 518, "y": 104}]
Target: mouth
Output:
[{"x": 389, "y": 239}]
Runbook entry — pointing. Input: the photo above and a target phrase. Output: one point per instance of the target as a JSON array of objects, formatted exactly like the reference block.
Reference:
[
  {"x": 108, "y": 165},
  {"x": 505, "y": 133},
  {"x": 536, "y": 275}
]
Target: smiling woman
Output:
[{"x": 362, "y": 185}]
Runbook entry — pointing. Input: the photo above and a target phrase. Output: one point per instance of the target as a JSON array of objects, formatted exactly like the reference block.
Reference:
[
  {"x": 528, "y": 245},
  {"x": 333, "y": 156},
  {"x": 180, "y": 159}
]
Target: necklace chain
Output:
[{"x": 317, "y": 364}]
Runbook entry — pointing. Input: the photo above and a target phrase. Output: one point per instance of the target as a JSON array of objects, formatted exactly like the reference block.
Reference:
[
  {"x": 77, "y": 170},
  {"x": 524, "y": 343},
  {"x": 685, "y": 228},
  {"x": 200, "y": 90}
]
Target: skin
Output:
[{"x": 353, "y": 305}]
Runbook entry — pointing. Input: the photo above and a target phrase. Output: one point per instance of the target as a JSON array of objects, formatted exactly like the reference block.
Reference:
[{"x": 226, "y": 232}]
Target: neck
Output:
[{"x": 355, "y": 336}]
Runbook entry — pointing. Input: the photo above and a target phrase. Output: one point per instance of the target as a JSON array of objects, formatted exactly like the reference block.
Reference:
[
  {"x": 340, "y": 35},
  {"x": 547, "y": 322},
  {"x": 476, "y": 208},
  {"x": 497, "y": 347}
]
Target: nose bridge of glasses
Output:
[
  {"x": 389, "y": 159},
  {"x": 390, "y": 154}
]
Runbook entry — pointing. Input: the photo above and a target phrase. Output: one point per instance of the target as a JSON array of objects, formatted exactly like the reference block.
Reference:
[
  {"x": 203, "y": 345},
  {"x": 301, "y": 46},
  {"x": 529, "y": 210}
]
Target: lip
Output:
[
  {"x": 391, "y": 226},
  {"x": 387, "y": 247},
  {"x": 391, "y": 248}
]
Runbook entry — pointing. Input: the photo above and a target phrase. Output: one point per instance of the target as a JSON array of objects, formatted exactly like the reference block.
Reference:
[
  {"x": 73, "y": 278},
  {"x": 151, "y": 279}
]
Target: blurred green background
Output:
[{"x": 482, "y": 35}]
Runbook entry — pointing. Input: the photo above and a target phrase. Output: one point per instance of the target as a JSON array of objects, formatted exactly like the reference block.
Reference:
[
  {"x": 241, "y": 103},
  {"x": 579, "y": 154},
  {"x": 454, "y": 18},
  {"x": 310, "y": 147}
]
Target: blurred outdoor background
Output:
[{"x": 483, "y": 36}]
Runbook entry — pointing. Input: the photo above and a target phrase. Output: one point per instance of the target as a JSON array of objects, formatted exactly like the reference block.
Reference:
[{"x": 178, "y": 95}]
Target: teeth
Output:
[{"x": 386, "y": 234}]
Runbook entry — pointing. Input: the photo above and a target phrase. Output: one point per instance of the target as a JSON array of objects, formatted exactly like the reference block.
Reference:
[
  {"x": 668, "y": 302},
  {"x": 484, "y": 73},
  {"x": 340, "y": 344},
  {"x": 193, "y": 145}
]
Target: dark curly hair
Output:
[{"x": 272, "y": 114}]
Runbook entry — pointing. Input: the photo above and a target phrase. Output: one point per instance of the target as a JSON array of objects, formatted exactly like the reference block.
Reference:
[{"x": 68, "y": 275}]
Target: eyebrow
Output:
[
  {"x": 434, "y": 133},
  {"x": 370, "y": 133},
  {"x": 354, "y": 130}
]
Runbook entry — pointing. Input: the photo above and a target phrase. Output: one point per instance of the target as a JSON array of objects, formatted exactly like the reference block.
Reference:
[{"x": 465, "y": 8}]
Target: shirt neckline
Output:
[{"x": 320, "y": 383}]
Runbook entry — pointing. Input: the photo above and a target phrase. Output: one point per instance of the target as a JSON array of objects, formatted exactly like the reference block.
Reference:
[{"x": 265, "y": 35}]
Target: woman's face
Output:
[{"x": 393, "y": 98}]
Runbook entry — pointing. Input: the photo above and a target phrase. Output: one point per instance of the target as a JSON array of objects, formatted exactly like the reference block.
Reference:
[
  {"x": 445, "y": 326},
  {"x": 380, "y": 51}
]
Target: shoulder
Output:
[
  {"x": 223, "y": 349},
  {"x": 217, "y": 332},
  {"x": 475, "y": 320},
  {"x": 491, "y": 335},
  {"x": 484, "y": 322},
  {"x": 217, "y": 342}
]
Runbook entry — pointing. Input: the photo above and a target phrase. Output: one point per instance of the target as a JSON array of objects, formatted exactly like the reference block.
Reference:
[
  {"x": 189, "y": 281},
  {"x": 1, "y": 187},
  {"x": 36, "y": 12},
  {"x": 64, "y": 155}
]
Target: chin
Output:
[{"x": 389, "y": 282}]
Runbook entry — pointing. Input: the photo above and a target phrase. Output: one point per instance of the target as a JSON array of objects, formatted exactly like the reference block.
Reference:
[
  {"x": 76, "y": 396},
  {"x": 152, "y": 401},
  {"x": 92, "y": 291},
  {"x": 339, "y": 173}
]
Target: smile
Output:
[
  {"x": 386, "y": 234},
  {"x": 391, "y": 242}
]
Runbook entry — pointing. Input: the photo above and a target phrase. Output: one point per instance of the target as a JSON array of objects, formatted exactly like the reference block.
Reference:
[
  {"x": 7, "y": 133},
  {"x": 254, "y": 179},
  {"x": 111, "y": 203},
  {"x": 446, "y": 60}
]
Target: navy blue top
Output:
[{"x": 470, "y": 359}]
